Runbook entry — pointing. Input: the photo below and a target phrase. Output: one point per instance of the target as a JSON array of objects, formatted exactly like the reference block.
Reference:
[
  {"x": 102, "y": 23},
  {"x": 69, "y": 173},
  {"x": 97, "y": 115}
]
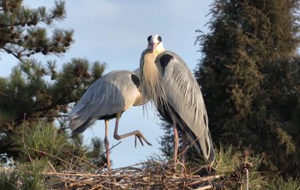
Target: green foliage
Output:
[
  {"x": 43, "y": 148},
  {"x": 8, "y": 181},
  {"x": 36, "y": 92},
  {"x": 43, "y": 141},
  {"x": 229, "y": 161},
  {"x": 249, "y": 76},
  {"x": 41, "y": 137},
  {"x": 26, "y": 176},
  {"x": 279, "y": 183},
  {"x": 31, "y": 175},
  {"x": 20, "y": 34},
  {"x": 28, "y": 94}
]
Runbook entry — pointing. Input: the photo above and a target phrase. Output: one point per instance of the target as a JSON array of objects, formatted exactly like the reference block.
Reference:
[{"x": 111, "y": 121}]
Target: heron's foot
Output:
[
  {"x": 179, "y": 167},
  {"x": 183, "y": 169},
  {"x": 141, "y": 137}
]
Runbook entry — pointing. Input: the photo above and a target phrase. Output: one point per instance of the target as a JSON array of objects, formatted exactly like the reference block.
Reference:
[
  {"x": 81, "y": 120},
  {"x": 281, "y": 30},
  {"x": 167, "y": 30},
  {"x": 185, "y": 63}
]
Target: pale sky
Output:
[{"x": 115, "y": 32}]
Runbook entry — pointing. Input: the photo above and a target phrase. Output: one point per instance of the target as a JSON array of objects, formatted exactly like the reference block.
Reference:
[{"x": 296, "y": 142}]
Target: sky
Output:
[{"x": 115, "y": 32}]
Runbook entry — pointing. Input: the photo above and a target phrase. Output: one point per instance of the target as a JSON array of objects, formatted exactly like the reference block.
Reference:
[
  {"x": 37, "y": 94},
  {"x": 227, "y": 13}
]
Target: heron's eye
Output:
[
  {"x": 149, "y": 38},
  {"x": 159, "y": 39}
]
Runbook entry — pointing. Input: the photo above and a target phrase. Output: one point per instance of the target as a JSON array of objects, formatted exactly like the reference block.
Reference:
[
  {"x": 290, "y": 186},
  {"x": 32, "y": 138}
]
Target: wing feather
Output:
[
  {"x": 184, "y": 96},
  {"x": 110, "y": 94}
]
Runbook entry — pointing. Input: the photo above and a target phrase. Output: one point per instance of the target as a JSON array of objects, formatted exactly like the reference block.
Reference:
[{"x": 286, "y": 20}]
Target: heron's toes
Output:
[{"x": 141, "y": 137}]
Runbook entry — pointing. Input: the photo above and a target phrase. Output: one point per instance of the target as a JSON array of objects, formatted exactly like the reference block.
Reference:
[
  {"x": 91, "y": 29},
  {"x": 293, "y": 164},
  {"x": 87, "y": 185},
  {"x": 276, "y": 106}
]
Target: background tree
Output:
[
  {"x": 34, "y": 91},
  {"x": 249, "y": 75},
  {"x": 20, "y": 34}
]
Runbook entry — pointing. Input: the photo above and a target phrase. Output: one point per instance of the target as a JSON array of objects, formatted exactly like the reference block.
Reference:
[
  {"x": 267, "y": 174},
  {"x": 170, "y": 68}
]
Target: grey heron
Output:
[
  {"x": 169, "y": 83},
  {"x": 108, "y": 98}
]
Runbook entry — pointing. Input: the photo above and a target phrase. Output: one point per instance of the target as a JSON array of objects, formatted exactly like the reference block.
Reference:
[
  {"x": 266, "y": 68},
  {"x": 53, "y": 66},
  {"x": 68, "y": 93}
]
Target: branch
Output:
[
  {"x": 60, "y": 159},
  {"x": 82, "y": 160},
  {"x": 13, "y": 53},
  {"x": 111, "y": 148}
]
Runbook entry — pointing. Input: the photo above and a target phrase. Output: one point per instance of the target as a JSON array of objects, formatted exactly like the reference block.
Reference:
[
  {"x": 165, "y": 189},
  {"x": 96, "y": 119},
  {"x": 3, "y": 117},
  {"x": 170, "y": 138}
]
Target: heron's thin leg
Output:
[
  {"x": 184, "y": 145},
  {"x": 137, "y": 133},
  {"x": 176, "y": 144},
  {"x": 107, "y": 144}
]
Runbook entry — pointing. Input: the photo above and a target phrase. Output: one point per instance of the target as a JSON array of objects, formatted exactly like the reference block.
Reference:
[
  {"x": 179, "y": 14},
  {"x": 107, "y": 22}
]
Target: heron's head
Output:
[{"x": 155, "y": 43}]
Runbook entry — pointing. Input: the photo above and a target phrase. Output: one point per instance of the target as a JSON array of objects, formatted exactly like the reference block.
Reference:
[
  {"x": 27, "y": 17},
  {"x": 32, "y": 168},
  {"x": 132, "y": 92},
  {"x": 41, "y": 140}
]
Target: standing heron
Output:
[
  {"x": 108, "y": 98},
  {"x": 169, "y": 83}
]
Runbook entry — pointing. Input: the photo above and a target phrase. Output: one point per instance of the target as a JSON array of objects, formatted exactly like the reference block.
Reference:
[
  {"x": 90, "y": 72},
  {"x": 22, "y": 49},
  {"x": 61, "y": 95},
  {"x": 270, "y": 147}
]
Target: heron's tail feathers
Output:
[
  {"x": 203, "y": 145},
  {"x": 78, "y": 126},
  {"x": 80, "y": 118},
  {"x": 74, "y": 113}
]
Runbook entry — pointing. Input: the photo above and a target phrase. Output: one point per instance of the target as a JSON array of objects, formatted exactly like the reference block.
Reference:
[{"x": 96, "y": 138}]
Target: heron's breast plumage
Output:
[{"x": 152, "y": 80}]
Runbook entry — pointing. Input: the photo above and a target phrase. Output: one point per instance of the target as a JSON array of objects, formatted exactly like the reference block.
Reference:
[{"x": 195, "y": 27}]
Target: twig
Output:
[
  {"x": 188, "y": 147},
  {"x": 246, "y": 154},
  {"x": 40, "y": 151},
  {"x": 247, "y": 178},
  {"x": 166, "y": 186},
  {"x": 184, "y": 169},
  {"x": 74, "y": 174},
  {"x": 111, "y": 148},
  {"x": 204, "y": 188},
  {"x": 23, "y": 139},
  {"x": 97, "y": 186},
  {"x": 83, "y": 160},
  {"x": 208, "y": 178},
  {"x": 52, "y": 166}
]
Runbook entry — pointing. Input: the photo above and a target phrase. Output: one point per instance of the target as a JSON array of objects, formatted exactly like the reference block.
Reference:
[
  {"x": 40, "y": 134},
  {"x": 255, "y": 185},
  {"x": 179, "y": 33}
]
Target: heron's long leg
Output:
[
  {"x": 107, "y": 144},
  {"x": 176, "y": 144},
  {"x": 184, "y": 145},
  {"x": 137, "y": 133}
]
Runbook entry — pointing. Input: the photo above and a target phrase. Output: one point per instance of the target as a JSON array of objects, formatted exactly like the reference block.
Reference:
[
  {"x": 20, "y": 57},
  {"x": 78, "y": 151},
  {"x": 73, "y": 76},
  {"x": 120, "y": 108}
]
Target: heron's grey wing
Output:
[
  {"x": 109, "y": 95},
  {"x": 184, "y": 96}
]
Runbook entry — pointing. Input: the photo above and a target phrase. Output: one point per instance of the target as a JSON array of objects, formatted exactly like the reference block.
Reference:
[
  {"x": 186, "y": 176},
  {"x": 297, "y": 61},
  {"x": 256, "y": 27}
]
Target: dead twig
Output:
[
  {"x": 60, "y": 159},
  {"x": 111, "y": 148},
  {"x": 204, "y": 188},
  {"x": 52, "y": 166},
  {"x": 85, "y": 161}
]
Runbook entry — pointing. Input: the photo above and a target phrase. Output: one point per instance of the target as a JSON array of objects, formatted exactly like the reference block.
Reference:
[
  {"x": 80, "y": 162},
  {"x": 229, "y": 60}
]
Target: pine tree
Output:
[
  {"x": 20, "y": 34},
  {"x": 37, "y": 91},
  {"x": 249, "y": 75}
]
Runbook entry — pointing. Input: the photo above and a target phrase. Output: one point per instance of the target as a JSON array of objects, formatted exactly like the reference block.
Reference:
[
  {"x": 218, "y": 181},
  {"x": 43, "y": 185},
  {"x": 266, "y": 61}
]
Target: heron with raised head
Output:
[
  {"x": 169, "y": 83},
  {"x": 108, "y": 98}
]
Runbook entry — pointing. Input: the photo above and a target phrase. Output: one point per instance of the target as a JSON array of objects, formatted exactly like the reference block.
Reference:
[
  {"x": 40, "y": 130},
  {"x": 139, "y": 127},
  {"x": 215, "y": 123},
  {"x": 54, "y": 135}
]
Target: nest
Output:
[{"x": 146, "y": 175}]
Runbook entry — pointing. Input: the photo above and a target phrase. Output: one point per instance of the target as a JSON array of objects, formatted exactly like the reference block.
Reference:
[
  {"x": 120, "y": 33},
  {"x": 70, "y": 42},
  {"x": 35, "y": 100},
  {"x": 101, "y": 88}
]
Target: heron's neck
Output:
[
  {"x": 150, "y": 70},
  {"x": 153, "y": 85},
  {"x": 140, "y": 99}
]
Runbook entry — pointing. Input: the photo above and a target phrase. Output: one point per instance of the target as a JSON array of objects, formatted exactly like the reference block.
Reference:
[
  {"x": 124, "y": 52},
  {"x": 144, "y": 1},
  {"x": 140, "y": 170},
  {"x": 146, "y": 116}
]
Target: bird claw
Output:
[
  {"x": 141, "y": 137},
  {"x": 137, "y": 137}
]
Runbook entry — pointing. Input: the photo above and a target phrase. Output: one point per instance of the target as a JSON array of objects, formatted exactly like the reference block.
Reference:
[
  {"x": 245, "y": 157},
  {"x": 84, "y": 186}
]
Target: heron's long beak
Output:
[{"x": 152, "y": 46}]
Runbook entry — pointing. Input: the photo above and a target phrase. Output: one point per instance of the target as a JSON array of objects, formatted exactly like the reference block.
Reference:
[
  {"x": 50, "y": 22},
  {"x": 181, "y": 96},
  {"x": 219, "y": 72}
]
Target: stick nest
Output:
[{"x": 146, "y": 175}]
